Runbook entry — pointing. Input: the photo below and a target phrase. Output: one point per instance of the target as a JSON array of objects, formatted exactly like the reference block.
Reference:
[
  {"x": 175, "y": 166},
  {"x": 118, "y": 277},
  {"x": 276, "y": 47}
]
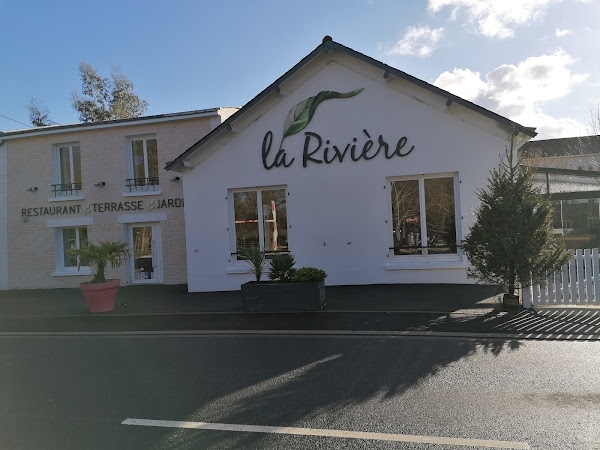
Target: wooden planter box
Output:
[{"x": 276, "y": 296}]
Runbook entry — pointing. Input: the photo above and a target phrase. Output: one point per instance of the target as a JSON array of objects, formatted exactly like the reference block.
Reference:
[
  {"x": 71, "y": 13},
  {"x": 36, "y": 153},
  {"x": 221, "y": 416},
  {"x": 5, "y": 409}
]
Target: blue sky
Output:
[{"x": 534, "y": 61}]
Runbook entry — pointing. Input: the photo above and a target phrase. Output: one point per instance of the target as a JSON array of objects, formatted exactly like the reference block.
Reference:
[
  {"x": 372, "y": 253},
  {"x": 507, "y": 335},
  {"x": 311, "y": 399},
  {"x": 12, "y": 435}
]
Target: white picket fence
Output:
[{"x": 577, "y": 283}]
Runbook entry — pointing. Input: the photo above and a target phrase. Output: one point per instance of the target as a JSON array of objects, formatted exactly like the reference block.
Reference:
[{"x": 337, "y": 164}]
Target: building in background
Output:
[
  {"x": 60, "y": 185},
  {"x": 568, "y": 170}
]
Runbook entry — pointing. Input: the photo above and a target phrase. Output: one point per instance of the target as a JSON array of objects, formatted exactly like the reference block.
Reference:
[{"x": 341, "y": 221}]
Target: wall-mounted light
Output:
[
  {"x": 100, "y": 184},
  {"x": 175, "y": 180},
  {"x": 32, "y": 189}
]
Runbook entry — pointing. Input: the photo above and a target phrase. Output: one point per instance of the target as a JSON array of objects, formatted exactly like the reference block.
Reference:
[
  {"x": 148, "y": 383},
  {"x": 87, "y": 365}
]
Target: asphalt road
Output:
[{"x": 74, "y": 393}]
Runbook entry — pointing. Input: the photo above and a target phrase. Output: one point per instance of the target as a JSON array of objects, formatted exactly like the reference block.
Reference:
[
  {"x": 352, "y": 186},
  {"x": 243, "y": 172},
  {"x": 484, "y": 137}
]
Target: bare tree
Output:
[
  {"x": 38, "y": 114},
  {"x": 593, "y": 125}
]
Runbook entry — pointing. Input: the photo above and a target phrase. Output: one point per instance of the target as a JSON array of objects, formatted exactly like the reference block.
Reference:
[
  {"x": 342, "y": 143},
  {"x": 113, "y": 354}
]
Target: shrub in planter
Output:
[
  {"x": 290, "y": 289},
  {"x": 256, "y": 259},
  {"x": 282, "y": 267},
  {"x": 100, "y": 294},
  {"x": 308, "y": 275}
]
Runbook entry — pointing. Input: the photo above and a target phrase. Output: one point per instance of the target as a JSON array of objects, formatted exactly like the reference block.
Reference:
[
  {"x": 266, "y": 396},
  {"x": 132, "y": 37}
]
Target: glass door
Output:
[{"x": 145, "y": 262}]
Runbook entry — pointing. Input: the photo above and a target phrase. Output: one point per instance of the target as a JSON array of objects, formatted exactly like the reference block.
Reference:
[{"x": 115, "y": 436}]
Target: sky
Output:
[{"x": 536, "y": 62}]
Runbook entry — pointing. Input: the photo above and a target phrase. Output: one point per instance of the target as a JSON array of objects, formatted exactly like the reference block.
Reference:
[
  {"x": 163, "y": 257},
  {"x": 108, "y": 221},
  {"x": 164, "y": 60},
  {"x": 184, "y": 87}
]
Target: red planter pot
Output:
[{"x": 100, "y": 297}]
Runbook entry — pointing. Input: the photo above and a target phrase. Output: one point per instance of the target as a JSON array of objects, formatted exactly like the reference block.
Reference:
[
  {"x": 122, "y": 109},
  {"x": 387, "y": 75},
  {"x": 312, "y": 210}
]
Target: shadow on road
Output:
[
  {"x": 323, "y": 381},
  {"x": 555, "y": 321}
]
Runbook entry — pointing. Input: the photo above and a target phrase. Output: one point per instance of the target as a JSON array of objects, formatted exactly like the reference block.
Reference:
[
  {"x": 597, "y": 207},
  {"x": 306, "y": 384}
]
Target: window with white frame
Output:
[
  {"x": 142, "y": 164},
  {"x": 67, "y": 170},
  {"x": 423, "y": 215},
  {"x": 259, "y": 219},
  {"x": 66, "y": 239}
]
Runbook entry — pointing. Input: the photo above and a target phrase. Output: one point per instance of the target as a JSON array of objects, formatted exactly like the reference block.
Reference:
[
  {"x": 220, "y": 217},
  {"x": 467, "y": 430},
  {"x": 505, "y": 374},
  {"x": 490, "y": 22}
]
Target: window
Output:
[
  {"x": 143, "y": 164},
  {"x": 423, "y": 215},
  {"x": 260, "y": 219},
  {"x": 67, "y": 239},
  {"x": 67, "y": 170}
]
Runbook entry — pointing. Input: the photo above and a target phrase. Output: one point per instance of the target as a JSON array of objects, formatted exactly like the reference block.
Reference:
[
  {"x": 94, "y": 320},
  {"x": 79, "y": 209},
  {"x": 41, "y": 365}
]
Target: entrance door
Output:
[{"x": 146, "y": 260}]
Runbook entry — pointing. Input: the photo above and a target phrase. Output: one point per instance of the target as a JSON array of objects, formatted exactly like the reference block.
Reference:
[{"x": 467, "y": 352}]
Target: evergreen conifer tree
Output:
[{"x": 511, "y": 243}]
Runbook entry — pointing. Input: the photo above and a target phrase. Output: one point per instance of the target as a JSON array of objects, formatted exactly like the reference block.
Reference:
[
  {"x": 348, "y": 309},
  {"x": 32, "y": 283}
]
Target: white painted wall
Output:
[
  {"x": 337, "y": 213},
  {"x": 3, "y": 216}
]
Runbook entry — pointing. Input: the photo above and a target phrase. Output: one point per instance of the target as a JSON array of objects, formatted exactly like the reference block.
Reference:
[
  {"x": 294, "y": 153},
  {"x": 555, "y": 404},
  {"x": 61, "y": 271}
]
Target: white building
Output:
[{"x": 351, "y": 165}]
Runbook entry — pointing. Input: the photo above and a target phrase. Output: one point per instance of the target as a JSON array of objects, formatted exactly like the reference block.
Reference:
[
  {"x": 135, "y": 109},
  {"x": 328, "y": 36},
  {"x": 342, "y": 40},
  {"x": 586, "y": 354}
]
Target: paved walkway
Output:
[
  {"x": 417, "y": 309},
  {"x": 162, "y": 299}
]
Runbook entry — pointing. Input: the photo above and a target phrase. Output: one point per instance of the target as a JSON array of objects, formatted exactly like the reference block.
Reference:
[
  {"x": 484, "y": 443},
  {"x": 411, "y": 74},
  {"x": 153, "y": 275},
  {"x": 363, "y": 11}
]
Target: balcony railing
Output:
[
  {"x": 142, "y": 184},
  {"x": 60, "y": 190}
]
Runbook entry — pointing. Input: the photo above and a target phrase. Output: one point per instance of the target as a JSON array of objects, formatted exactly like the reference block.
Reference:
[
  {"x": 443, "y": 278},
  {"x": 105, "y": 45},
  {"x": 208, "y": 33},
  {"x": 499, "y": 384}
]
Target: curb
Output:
[
  {"x": 249, "y": 313},
  {"x": 333, "y": 333}
]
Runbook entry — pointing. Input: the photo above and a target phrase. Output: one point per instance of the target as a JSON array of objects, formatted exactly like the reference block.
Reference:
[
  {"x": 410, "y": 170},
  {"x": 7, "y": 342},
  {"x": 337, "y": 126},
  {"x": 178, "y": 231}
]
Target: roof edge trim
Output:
[{"x": 84, "y": 126}]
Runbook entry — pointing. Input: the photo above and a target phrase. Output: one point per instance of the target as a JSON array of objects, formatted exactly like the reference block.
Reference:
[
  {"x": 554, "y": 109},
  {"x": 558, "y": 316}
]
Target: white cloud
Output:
[
  {"x": 518, "y": 91},
  {"x": 560, "y": 33},
  {"x": 549, "y": 127},
  {"x": 494, "y": 18},
  {"x": 462, "y": 82},
  {"x": 418, "y": 41},
  {"x": 537, "y": 79}
]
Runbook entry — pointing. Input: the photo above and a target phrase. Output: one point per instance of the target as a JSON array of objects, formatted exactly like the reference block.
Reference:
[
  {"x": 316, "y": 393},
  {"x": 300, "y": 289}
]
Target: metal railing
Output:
[
  {"x": 415, "y": 249},
  {"x": 59, "y": 190},
  {"x": 268, "y": 254},
  {"x": 142, "y": 184}
]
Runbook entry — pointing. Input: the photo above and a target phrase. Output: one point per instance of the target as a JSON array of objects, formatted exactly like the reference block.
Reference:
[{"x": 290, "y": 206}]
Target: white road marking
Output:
[{"x": 327, "y": 433}]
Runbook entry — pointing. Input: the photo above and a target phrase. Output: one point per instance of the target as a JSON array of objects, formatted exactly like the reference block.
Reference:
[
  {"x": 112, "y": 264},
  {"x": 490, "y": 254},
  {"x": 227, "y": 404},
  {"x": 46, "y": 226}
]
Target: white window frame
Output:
[
  {"x": 149, "y": 188},
  {"x": 58, "y": 225},
  {"x": 424, "y": 256},
  {"x": 261, "y": 230},
  {"x": 60, "y": 256},
  {"x": 56, "y": 171}
]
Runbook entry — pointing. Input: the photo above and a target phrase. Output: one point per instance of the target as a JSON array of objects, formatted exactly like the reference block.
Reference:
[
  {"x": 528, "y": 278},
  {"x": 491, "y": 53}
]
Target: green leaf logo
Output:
[{"x": 300, "y": 115}]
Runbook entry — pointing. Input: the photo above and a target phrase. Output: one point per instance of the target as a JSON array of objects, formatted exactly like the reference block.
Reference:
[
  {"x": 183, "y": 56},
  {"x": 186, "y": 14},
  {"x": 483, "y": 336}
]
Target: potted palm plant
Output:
[
  {"x": 290, "y": 289},
  {"x": 100, "y": 294}
]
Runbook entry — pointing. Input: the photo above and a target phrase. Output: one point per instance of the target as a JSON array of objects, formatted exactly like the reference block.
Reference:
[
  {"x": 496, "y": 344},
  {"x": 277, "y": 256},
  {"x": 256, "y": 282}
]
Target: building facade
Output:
[
  {"x": 350, "y": 165},
  {"x": 104, "y": 181}
]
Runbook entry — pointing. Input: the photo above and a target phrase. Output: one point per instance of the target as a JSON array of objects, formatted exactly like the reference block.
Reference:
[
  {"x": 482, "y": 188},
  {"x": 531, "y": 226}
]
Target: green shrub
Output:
[
  {"x": 308, "y": 275},
  {"x": 282, "y": 267},
  {"x": 99, "y": 255},
  {"x": 256, "y": 260}
]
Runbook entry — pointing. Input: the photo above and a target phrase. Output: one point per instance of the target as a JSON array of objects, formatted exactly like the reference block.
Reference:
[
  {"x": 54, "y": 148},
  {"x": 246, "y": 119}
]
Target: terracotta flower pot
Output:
[{"x": 100, "y": 297}]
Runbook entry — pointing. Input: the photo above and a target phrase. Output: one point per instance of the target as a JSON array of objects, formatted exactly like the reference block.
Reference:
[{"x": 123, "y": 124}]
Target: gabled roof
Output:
[
  {"x": 328, "y": 45},
  {"x": 580, "y": 145},
  {"x": 105, "y": 123}
]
